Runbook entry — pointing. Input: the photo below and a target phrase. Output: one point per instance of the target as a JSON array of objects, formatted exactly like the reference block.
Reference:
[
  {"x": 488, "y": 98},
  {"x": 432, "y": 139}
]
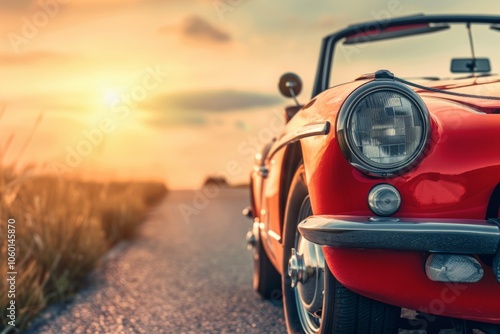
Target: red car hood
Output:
[{"x": 484, "y": 86}]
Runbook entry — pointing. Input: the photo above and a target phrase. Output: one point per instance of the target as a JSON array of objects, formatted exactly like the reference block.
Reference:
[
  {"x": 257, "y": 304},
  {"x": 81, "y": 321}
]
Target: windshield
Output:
[{"x": 419, "y": 56}]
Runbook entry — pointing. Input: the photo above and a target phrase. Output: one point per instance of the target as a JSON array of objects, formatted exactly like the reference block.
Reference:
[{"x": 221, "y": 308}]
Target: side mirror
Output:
[
  {"x": 470, "y": 65},
  {"x": 290, "y": 85}
]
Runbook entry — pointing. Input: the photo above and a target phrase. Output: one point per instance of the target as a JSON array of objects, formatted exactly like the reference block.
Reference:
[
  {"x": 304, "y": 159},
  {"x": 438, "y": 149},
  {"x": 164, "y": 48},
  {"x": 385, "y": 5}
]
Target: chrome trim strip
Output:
[
  {"x": 308, "y": 130},
  {"x": 431, "y": 235},
  {"x": 274, "y": 235}
]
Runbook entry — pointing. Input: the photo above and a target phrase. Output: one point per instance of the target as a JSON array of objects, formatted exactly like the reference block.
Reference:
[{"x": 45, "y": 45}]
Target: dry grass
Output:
[{"x": 63, "y": 227}]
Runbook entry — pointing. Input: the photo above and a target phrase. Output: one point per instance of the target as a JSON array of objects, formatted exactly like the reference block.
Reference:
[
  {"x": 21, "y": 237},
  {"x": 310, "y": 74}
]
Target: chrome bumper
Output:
[{"x": 431, "y": 235}]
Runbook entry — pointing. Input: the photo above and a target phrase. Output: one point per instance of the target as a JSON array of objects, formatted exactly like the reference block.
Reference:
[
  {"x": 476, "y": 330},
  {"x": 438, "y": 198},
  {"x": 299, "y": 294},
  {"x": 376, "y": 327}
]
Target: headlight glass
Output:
[{"x": 384, "y": 128}]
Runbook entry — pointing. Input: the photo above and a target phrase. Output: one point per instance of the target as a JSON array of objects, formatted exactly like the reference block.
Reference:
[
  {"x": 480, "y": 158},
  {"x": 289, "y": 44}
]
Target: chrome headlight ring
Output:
[{"x": 383, "y": 128}]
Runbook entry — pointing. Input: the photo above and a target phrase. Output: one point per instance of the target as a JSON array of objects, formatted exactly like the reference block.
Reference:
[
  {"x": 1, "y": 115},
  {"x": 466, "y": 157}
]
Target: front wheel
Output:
[{"x": 314, "y": 300}]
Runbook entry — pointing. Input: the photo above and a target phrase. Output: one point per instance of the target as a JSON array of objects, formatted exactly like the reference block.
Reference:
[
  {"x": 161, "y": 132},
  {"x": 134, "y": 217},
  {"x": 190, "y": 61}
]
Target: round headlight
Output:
[{"x": 383, "y": 127}]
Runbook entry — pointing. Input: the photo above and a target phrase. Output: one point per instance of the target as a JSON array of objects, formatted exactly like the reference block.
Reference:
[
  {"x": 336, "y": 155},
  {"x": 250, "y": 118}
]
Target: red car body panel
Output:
[
  {"x": 398, "y": 278},
  {"x": 455, "y": 179},
  {"x": 272, "y": 216}
]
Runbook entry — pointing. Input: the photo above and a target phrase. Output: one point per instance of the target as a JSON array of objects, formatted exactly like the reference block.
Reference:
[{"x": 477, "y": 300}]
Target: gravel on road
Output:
[{"x": 187, "y": 272}]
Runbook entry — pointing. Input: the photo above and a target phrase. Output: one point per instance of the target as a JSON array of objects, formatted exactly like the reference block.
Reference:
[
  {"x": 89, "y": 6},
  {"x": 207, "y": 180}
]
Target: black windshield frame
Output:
[{"x": 329, "y": 42}]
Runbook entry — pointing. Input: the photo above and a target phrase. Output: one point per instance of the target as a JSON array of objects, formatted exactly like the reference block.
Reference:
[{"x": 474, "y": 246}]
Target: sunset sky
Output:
[{"x": 170, "y": 90}]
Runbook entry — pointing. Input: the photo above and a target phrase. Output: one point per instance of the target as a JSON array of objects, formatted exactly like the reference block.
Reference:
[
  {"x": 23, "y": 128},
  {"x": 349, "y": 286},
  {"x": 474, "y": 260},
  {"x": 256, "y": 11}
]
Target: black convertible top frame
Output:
[{"x": 329, "y": 42}]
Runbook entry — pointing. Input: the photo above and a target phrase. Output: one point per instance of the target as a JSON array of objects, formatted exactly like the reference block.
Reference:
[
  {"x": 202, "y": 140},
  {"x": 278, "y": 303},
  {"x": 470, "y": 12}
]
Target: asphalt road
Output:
[{"x": 186, "y": 273}]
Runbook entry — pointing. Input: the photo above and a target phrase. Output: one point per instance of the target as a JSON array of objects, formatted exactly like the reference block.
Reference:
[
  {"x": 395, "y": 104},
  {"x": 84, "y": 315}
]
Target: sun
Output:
[
  {"x": 104, "y": 100},
  {"x": 111, "y": 97}
]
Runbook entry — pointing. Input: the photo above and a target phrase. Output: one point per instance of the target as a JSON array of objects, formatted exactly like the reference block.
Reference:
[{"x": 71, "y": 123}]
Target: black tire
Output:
[
  {"x": 343, "y": 311},
  {"x": 266, "y": 279}
]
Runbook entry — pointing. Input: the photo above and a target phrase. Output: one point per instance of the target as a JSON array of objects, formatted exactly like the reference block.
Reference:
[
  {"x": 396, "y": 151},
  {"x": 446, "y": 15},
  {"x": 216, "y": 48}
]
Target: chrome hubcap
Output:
[
  {"x": 296, "y": 269},
  {"x": 306, "y": 268}
]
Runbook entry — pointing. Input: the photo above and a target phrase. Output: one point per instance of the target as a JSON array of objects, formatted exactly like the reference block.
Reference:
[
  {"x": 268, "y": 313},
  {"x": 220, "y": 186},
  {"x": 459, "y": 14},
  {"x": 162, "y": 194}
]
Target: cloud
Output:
[
  {"x": 198, "y": 29},
  {"x": 214, "y": 101},
  {"x": 61, "y": 103},
  {"x": 195, "y": 108},
  {"x": 20, "y": 5},
  {"x": 17, "y": 5},
  {"x": 28, "y": 58},
  {"x": 174, "y": 119},
  {"x": 324, "y": 23}
]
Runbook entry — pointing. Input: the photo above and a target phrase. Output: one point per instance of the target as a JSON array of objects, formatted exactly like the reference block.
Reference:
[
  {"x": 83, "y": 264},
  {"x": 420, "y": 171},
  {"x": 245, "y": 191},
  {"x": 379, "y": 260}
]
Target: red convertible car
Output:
[{"x": 382, "y": 194}]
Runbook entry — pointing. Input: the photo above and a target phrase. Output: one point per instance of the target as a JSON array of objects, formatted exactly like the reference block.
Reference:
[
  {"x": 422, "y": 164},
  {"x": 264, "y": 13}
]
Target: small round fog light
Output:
[{"x": 384, "y": 200}]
